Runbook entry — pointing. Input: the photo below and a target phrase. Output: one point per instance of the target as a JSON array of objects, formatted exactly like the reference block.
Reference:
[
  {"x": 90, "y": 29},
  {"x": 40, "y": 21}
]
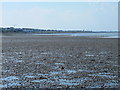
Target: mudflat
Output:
[{"x": 59, "y": 62}]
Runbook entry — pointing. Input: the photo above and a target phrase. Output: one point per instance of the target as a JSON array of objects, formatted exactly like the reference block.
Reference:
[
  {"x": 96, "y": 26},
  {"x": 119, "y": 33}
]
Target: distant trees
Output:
[
  {"x": 30, "y": 30},
  {"x": 11, "y": 29}
]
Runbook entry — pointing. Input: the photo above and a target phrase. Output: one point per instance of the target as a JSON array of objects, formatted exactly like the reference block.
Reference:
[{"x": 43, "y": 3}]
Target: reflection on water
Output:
[
  {"x": 10, "y": 78},
  {"x": 103, "y": 35},
  {"x": 10, "y": 81},
  {"x": 103, "y": 75},
  {"x": 68, "y": 82}
]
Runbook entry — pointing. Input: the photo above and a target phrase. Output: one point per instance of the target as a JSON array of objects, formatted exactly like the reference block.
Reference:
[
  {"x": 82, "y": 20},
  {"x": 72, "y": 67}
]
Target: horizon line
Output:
[{"x": 57, "y": 29}]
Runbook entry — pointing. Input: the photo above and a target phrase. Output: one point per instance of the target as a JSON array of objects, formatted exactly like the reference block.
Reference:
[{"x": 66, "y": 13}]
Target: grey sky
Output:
[{"x": 61, "y": 15}]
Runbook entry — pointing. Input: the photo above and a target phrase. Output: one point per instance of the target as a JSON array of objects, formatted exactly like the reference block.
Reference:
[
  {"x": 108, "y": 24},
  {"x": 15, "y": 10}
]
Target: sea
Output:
[{"x": 98, "y": 35}]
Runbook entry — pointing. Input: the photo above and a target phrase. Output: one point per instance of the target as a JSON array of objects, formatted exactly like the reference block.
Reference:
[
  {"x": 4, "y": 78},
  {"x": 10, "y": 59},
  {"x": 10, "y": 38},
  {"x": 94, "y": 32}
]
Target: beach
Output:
[{"x": 34, "y": 61}]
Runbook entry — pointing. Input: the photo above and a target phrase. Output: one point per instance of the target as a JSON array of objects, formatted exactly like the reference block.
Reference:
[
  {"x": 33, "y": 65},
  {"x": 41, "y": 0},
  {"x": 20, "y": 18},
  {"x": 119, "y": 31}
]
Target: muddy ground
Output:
[{"x": 59, "y": 62}]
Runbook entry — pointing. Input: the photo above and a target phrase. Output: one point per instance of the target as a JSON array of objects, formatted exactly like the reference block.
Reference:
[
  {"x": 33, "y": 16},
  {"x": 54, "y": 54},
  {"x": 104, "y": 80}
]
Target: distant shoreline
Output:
[{"x": 48, "y": 31}]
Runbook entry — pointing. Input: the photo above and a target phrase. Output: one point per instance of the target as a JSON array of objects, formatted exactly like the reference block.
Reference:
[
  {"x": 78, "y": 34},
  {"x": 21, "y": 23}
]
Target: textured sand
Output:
[{"x": 59, "y": 62}]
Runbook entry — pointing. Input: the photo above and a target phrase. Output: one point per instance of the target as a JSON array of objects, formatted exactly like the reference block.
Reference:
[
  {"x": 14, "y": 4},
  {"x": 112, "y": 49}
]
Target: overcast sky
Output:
[{"x": 61, "y": 15}]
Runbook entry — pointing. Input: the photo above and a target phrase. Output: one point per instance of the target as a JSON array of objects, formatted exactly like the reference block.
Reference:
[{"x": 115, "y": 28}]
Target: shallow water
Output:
[
  {"x": 28, "y": 76},
  {"x": 107, "y": 75},
  {"x": 103, "y": 35},
  {"x": 10, "y": 84},
  {"x": 38, "y": 81},
  {"x": 11, "y": 81},
  {"x": 68, "y": 82},
  {"x": 10, "y": 78}
]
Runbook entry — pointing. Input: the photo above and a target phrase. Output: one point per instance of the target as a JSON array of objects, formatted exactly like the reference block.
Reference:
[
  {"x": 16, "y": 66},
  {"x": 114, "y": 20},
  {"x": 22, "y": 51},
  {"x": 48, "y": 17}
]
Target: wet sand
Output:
[{"x": 59, "y": 62}]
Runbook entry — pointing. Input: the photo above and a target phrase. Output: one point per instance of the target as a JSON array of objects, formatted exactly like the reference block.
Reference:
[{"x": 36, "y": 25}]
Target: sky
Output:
[{"x": 61, "y": 15}]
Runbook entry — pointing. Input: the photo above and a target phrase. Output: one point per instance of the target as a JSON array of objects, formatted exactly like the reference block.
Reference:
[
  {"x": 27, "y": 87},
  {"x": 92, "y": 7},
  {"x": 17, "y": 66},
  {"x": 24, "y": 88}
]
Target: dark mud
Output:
[{"x": 59, "y": 62}]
